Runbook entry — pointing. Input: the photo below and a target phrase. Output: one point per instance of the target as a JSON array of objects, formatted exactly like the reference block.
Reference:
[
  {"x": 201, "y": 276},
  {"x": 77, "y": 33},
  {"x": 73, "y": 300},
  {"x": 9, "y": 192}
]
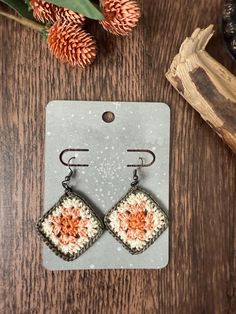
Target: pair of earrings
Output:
[{"x": 71, "y": 226}]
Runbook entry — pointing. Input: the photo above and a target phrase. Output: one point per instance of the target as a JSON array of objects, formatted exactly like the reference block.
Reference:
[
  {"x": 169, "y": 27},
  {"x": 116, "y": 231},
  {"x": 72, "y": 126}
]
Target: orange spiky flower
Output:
[
  {"x": 120, "y": 16},
  {"x": 44, "y": 11},
  {"x": 47, "y": 12},
  {"x": 69, "y": 16},
  {"x": 71, "y": 44}
]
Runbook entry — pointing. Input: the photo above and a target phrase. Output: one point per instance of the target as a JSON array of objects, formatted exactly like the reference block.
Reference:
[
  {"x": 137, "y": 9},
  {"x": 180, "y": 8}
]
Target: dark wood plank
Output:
[{"x": 201, "y": 275}]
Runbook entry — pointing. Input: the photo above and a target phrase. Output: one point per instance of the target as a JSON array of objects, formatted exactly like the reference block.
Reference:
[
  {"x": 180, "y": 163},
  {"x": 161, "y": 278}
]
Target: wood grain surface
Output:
[{"x": 200, "y": 277}]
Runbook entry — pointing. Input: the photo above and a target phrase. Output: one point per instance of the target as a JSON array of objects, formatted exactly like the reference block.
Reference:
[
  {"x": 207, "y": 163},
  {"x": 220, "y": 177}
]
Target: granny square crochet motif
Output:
[
  {"x": 136, "y": 220},
  {"x": 70, "y": 227}
]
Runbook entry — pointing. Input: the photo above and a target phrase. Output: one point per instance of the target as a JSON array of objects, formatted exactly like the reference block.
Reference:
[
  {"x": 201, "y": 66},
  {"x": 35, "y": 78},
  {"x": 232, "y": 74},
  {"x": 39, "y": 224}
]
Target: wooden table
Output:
[{"x": 200, "y": 277}]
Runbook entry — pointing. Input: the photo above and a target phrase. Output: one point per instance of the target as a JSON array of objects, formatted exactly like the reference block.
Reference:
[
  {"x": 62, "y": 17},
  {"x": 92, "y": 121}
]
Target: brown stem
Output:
[{"x": 24, "y": 21}]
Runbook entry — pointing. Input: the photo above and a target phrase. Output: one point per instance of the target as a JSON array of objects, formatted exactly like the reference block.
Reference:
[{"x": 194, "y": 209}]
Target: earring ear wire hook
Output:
[
  {"x": 135, "y": 173},
  {"x": 72, "y": 150},
  {"x": 148, "y": 151},
  {"x": 69, "y": 167},
  {"x": 142, "y": 163},
  {"x": 68, "y": 177}
]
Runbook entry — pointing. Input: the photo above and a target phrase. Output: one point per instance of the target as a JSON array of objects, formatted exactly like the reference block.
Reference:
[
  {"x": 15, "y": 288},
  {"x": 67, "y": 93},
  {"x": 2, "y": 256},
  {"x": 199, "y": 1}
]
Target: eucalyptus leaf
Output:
[
  {"x": 20, "y": 7},
  {"x": 84, "y": 7}
]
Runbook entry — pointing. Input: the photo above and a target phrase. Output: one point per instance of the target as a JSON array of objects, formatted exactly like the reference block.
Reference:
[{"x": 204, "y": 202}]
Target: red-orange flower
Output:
[
  {"x": 44, "y": 11},
  {"x": 48, "y": 12},
  {"x": 120, "y": 16},
  {"x": 71, "y": 44},
  {"x": 66, "y": 15}
]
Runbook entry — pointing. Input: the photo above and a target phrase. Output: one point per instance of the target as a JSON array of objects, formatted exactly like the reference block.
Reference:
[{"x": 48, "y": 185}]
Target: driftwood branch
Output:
[{"x": 206, "y": 85}]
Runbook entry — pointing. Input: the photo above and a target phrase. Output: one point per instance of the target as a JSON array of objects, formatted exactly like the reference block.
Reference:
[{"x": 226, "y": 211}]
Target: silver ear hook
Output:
[
  {"x": 135, "y": 173},
  {"x": 68, "y": 177}
]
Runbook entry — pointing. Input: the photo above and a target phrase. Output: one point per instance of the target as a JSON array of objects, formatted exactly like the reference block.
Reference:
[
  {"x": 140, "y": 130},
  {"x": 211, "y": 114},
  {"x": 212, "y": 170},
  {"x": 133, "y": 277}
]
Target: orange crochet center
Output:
[
  {"x": 69, "y": 225},
  {"x": 137, "y": 221}
]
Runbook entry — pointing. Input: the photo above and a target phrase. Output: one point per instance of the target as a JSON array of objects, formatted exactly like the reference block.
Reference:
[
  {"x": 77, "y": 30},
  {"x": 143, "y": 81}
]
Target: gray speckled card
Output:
[{"x": 79, "y": 124}]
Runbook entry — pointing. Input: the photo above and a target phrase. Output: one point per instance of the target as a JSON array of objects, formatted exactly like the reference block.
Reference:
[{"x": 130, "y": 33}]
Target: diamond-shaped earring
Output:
[
  {"x": 137, "y": 220},
  {"x": 71, "y": 226}
]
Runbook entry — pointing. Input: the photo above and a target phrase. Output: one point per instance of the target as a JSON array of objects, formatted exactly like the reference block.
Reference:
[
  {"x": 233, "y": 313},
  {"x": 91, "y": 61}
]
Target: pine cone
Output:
[
  {"x": 71, "y": 44},
  {"x": 44, "y": 11},
  {"x": 121, "y": 16},
  {"x": 47, "y": 12}
]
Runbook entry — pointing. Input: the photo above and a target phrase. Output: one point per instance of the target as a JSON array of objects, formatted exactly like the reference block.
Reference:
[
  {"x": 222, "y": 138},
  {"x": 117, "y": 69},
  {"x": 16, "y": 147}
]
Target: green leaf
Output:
[
  {"x": 84, "y": 7},
  {"x": 20, "y": 7}
]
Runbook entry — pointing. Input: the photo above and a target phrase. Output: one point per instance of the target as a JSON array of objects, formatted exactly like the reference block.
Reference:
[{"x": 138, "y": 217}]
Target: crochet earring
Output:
[
  {"x": 71, "y": 226},
  {"x": 137, "y": 220}
]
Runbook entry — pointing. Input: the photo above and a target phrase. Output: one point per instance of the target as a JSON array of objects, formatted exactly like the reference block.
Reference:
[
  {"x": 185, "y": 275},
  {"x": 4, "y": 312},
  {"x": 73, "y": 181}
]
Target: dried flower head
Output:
[
  {"x": 64, "y": 15},
  {"x": 44, "y": 11},
  {"x": 47, "y": 12},
  {"x": 120, "y": 16},
  {"x": 71, "y": 44}
]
